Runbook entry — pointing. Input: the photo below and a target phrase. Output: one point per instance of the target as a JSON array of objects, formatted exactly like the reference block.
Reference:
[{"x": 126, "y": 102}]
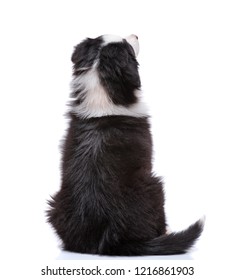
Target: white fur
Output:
[
  {"x": 96, "y": 102},
  {"x": 168, "y": 230},
  {"x": 108, "y": 38},
  {"x": 202, "y": 220}
]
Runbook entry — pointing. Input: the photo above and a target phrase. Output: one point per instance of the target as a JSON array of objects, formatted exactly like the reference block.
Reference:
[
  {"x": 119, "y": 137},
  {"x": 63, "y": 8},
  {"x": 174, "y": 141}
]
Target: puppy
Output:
[{"x": 110, "y": 203}]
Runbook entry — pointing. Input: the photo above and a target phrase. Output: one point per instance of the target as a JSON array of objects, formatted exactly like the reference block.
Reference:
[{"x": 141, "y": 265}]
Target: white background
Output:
[{"x": 187, "y": 66}]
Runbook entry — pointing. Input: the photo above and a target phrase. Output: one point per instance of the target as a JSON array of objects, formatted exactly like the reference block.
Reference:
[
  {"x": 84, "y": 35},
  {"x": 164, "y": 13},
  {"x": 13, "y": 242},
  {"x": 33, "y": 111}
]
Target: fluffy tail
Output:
[{"x": 171, "y": 244}]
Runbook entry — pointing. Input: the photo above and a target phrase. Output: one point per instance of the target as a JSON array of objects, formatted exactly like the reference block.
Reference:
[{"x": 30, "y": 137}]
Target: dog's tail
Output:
[{"x": 168, "y": 244}]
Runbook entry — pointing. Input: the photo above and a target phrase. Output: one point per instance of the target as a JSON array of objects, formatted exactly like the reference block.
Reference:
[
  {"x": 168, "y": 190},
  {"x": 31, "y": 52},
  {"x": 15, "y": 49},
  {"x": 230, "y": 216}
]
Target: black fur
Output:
[
  {"x": 110, "y": 203},
  {"x": 86, "y": 52},
  {"x": 118, "y": 72}
]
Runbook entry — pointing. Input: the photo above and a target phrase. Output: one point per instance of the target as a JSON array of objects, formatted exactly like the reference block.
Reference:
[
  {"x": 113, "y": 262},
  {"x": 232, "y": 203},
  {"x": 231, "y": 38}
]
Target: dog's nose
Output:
[
  {"x": 133, "y": 41},
  {"x": 134, "y": 36}
]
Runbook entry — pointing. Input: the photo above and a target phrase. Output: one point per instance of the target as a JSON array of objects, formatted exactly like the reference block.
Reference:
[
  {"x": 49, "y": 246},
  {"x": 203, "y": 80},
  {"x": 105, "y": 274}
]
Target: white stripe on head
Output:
[
  {"x": 131, "y": 39},
  {"x": 109, "y": 38}
]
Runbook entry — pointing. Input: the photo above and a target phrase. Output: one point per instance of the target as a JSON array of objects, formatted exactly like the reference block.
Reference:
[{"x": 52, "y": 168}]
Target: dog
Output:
[{"x": 110, "y": 202}]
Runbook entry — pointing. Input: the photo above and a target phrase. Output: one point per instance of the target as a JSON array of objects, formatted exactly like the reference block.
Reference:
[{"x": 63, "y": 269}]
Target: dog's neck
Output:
[{"x": 95, "y": 101}]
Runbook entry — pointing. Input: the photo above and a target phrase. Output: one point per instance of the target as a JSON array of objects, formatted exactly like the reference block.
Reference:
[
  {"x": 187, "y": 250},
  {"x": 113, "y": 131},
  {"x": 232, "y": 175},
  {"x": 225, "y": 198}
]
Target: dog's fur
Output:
[{"x": 110, "y": 203}]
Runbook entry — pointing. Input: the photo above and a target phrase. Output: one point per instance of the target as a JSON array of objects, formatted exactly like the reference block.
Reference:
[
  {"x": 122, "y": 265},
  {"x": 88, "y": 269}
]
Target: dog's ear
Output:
[
  {"x": 80, "y": 51},
  {"x": 86, "y": 52},
  {"x": 75, "y": 55}
]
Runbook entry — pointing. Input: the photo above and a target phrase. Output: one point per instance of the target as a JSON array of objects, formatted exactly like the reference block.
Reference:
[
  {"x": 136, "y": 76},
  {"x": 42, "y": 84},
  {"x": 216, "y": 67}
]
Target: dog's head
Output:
[{"x": 105, "y": 75}]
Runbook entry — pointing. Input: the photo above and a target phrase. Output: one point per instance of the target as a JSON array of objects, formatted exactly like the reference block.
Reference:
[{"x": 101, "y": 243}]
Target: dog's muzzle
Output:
[{"x": 133, "y": 41}]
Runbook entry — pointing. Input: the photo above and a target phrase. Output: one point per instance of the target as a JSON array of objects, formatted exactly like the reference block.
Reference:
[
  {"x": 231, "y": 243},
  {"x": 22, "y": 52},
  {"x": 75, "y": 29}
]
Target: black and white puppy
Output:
[{"x": 110, "y": 203}]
